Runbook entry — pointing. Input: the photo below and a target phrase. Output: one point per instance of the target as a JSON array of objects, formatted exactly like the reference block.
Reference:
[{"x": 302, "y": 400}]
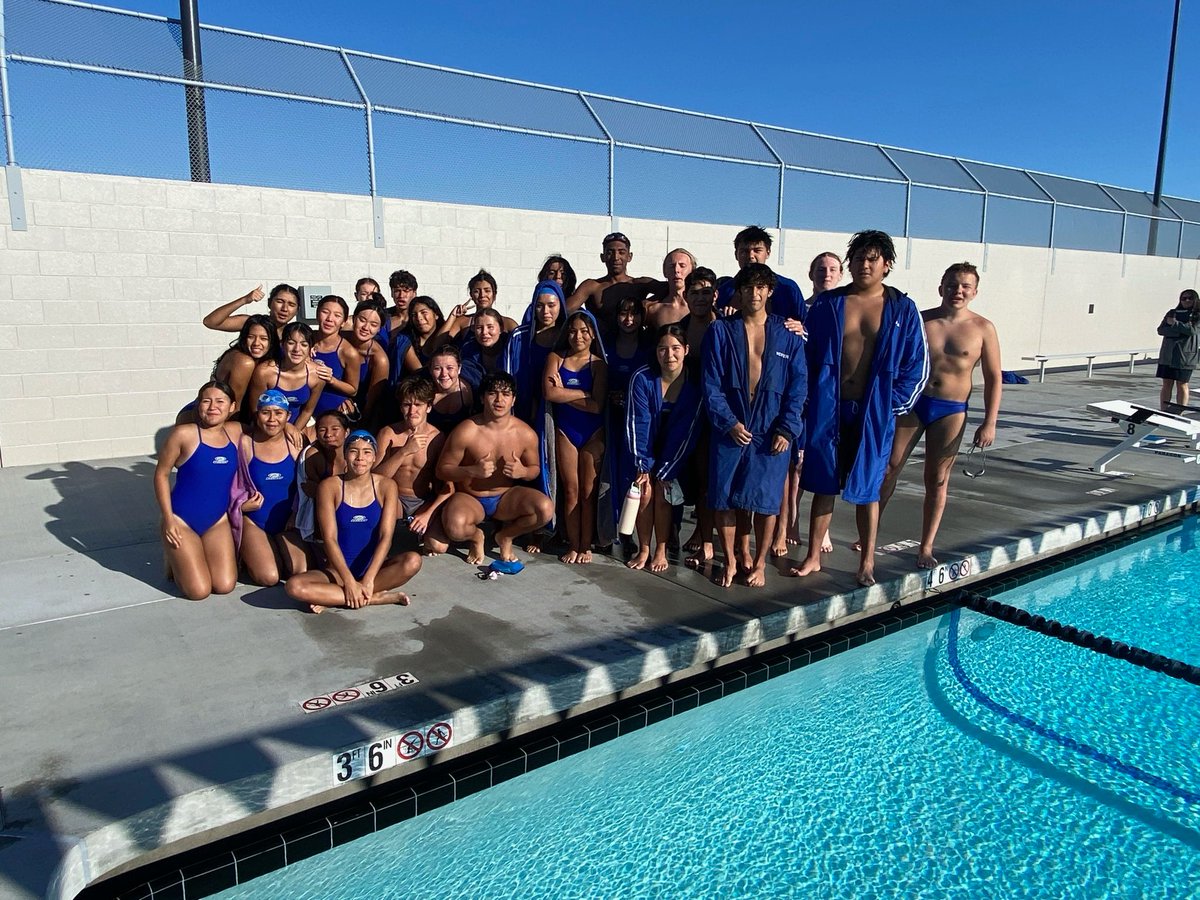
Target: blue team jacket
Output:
[
  {"x": 643, "y": 424},
  {"x": 899, "y": 370},
  {"x": 751, "y": 477}
]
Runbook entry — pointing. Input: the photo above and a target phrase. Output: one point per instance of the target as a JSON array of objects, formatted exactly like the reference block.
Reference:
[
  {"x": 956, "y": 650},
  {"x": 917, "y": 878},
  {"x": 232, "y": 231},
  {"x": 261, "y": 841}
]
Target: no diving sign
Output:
[
  {"x": 367, "y": 759},
  {"x": 359, "y": 691}
]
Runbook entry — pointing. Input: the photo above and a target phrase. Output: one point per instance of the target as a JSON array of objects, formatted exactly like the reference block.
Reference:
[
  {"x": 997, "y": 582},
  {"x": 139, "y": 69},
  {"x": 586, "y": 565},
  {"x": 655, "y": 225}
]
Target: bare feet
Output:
[
  {"x": 856, "y": 547},
  {"x": 570, "y": 557},
  {"x": 745, "y": 562},
  {"x": 504, "y": 549},
  {"x": 866, "y": 575},
  {"x": 724, "y": 576},
  {"x": 315, "y": 610},
  {"x": 475, "y": 550},
  {"x": 659, "y": 563},
  {"x": 534, "y": 545},
  {"x": 398, "y": 598},
  {"x": 779, "y": 548},
  {"x": 585, "y": 557},
  {"x": 811, "y": 564},
  {"x": 700, "y": 558},
  {"x": 925, "y": 559},
  {"x": 639, "y": 559},
  {"x": 826, "y": 544},
  {"x": 692, "y": 544},
  {"x": 757, "y": 576}
]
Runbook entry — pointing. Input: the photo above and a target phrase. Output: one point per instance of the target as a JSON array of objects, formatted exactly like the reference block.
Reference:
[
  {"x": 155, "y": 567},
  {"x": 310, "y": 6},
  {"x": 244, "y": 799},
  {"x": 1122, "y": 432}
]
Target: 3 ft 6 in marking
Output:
[{"x": 362, "y": 761}]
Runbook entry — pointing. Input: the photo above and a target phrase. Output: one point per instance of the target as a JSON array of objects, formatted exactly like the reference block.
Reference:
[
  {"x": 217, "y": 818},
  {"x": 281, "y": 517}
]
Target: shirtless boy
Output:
[
  {"x": 408, "y": 454},
  {"x": 483, "y": 458},
  {"x": 867, "y": 364},
  {"x": 603, "y": 295},
  {"x": 677, "y": 265},
  {"x": 959, "y": 340}
]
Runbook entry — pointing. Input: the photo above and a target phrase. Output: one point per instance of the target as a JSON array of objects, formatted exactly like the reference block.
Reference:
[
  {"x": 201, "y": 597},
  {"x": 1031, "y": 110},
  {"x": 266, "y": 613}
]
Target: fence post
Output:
[
  {"x": 193, "y": 70},
  {"x": 369, "y": 112},
  {"x": 779, "y": 202},
  {"x": 907, "y": 207},
  {"x": 613, "y": 224},
  {"x": 12, "y": 172}
]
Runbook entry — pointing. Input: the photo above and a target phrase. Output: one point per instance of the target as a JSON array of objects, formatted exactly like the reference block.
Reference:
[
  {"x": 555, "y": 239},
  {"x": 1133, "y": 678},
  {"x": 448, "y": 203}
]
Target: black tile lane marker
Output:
[{"x": 1155, "y": 662}]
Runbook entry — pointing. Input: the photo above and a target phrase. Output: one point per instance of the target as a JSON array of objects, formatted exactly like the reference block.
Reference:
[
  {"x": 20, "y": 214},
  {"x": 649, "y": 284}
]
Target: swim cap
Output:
[
  {"x": 272, "y": 397},
  {"x": 360, "y": 435}
]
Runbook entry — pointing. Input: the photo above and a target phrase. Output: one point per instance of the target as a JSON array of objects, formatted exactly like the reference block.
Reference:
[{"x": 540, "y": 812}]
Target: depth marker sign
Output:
[
  {"x": 367, "y": 759},
  {"x": 359, "y": 691}
]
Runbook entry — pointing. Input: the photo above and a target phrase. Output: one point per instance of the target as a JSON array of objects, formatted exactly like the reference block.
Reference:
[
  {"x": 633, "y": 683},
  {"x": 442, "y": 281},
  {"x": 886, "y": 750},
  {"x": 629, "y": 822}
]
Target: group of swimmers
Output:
[{"x": 309, "y": 446}]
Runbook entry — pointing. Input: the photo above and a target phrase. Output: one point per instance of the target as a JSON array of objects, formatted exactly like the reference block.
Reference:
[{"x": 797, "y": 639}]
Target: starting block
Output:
[{"x": 1141, "y": 423}]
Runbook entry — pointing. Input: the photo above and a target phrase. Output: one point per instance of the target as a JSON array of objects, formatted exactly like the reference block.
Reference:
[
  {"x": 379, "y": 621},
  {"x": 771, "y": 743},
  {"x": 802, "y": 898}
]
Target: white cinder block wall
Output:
[{"x": 101, "y": 298}]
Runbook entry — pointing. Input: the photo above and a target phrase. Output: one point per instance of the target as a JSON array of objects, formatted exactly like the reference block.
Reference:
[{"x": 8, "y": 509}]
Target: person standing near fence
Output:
[{"x": 1180, "y": 331}]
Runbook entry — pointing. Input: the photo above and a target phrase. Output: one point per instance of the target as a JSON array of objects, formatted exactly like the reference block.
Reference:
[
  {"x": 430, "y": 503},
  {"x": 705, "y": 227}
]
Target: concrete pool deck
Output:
[{"x": 137, "y": 724}]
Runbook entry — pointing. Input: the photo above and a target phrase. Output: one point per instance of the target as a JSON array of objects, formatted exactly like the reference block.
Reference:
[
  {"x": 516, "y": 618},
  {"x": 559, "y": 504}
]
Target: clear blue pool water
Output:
[{"x": 963, "y": 758}]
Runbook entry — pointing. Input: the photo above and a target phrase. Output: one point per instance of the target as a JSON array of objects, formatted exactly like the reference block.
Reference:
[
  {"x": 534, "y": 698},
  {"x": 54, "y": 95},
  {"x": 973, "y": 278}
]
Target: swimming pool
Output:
[{"x": 961, "y": 758}]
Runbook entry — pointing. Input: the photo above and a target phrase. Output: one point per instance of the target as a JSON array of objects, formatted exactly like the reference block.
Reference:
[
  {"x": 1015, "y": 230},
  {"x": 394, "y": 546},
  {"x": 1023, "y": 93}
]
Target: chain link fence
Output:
[{"x": 99, "y": 90}]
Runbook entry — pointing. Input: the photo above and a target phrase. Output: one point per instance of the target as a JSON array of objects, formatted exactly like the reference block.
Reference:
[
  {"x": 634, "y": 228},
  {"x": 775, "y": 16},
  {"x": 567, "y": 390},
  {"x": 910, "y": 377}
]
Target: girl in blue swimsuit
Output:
[
  {"x": 256, "y": 342},
  {"x": 424, "y": 329},
  {"x": 338, "y": 362},
  {"x": 575, "y": 380},
  {"x": 195, "y": 529},
  {"x": 485, "y": 354},
  {"x": 270, "y": 543},
  {"x": 374, "y": 369},
  {"x": 453, "y": 399},
  {"x": 356, "y": 516},
  {"x": 294, "y": 374}
]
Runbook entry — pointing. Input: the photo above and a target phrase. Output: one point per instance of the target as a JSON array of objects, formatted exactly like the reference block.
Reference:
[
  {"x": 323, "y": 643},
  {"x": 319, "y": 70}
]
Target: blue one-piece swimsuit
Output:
[
  {"x": 277, "y": 483},
  {"x": 331, "y": 399},
  {"x": 358, "y": 531},
  {"x": 577, "y": 425},
  {"x": 203, "y": 484},
  {"x": 297, "y": 398}
]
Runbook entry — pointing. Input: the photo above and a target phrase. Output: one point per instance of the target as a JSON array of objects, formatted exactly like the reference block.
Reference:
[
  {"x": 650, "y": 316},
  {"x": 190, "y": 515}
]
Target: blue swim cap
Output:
[
  {"x": 272, "y": 397},
  {"x": 360, "y": 435}
]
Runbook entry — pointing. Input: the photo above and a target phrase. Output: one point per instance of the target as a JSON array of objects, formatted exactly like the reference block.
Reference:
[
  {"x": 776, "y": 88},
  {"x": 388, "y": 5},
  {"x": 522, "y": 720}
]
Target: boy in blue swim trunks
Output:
[
  {"x": 958, "y": 341},
  {"x": 484, "y": 458}
]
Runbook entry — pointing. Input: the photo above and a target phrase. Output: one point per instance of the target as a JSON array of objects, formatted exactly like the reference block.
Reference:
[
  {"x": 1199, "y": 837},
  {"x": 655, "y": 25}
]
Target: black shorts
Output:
[{"x": 1170, "y": 373}]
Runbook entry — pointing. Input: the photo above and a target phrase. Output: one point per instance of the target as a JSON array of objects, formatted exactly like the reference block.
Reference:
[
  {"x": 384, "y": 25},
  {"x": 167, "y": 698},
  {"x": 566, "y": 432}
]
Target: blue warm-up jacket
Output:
[
  {"x": 751, "y": 477},
  {"x": 643, "y": 426},
  {"x": 898, "y": 373}
]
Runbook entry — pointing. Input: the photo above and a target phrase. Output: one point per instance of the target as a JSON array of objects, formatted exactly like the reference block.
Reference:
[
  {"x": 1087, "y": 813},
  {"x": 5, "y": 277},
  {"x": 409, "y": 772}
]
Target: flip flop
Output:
[{"x": 505, "y": 567}]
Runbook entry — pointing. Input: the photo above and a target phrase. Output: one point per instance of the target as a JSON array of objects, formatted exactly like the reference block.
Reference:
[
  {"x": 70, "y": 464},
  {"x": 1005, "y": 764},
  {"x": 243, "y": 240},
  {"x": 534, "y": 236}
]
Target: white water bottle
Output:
[{"x": 629, "y": 509}]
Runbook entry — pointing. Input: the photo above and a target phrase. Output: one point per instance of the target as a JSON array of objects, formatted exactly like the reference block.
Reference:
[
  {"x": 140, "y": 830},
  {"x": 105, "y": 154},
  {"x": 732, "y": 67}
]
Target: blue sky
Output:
[{"x": 1066, "y": 87}]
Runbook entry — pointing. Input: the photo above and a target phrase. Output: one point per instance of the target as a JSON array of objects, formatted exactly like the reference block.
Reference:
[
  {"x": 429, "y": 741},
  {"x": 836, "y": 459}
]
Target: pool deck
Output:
[{"x": 134, "y": 721}]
